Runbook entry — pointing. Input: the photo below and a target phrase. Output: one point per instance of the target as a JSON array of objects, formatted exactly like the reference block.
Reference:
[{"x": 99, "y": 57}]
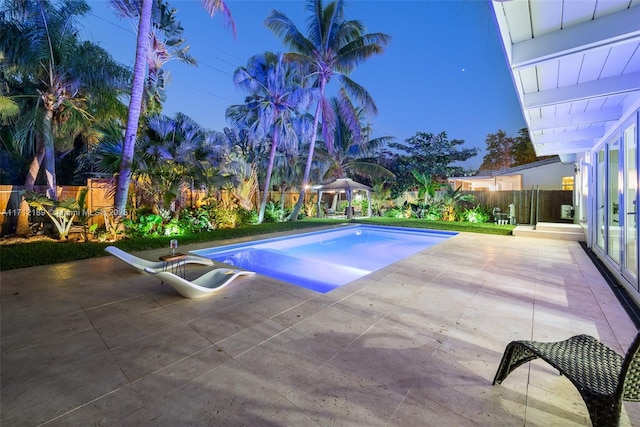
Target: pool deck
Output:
[{"x": 417, "y": 343}]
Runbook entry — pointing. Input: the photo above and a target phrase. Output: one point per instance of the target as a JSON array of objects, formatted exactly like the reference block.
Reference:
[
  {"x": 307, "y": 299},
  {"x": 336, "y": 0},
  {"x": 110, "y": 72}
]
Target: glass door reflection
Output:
[{"x": 630, "y": 248}]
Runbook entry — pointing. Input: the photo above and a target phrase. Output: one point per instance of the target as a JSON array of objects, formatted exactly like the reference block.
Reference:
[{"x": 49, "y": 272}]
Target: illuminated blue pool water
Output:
[{"x": 324, "y": 260}]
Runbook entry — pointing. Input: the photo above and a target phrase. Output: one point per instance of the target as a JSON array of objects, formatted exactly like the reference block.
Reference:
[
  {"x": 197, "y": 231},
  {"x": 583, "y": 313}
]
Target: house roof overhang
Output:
[{"x": 575, "y": 66}]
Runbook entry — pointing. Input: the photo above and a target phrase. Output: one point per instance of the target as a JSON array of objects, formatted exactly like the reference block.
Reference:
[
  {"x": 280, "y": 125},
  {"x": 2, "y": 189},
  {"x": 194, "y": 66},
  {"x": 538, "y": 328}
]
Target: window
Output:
[{"x": 567, "y": 182}]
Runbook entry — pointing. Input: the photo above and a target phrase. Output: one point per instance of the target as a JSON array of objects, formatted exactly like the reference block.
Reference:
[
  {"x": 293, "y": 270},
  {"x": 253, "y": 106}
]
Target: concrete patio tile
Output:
[
  {"x": 226, "y": 322},
  {"x": 285, "y": 360},
  {"x": 119, "y": 310},
  {"x": 156, "y": 351},
  {"x": 332, "y": 328},
  {"x": 249, "y": 338},
  {"x": 43, "y": 382},
  {"x": 416, "y": 343},
  {"x": 565, "y": 408},
  {"x": 188, "y": 310},
  {"x": 121, "y": 407},
  {"x": 299, "y": 312},
  {"x": 335, "y": 395},
  {"x": 121, "y": 332},
  {"x": 225, "y": 396},
  {"x": 33, "y": 330},
  {"x": 415, "y": 410},
  {"x": 365, "y": 304},
  {"x": 406, "y": 329},
  {"x": 458, "y": 387},
  {"x": 284, "y": 413},
  {"x": 28, "y": 281},
  {"x": 165, "y": 381},
  {"x": 272, "y": 303}
]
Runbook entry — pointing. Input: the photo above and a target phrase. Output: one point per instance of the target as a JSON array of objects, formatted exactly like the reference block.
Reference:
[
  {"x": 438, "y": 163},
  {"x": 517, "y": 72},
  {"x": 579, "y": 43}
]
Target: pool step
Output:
[{"x": 550, "y": 230}]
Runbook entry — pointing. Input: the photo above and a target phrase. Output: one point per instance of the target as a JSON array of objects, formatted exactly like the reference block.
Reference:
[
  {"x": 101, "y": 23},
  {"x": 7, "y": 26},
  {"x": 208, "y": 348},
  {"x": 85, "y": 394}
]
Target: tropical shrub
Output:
[
  {"x": 310, "y": 210},
  {"x": 60, "y": 213},
  {"x": 196, "y": 220},
  {"x": 224, "y": 215},
  {"x": 173, "y": 228},
  {"x": 434, "y": 212},
  {"x": 146, "y": 225},
  {"x": 113, "y": 226},
  {"x": 247, "y": 216},
  {"x": 274, "y": 212},
  {"x": 478, "y": 214},
  {"x": 450, "y": 200},
  {"x": 395, "y": 213},
  {"x": 364, "y": 205},
  {"x": 381, "y": 199}
]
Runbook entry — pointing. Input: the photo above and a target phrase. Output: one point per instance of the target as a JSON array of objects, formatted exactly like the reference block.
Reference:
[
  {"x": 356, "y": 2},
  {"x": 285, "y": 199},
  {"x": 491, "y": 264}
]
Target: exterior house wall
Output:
[
  {"x": 547, "y": 177},
  {"x": 543, "y": 177}
]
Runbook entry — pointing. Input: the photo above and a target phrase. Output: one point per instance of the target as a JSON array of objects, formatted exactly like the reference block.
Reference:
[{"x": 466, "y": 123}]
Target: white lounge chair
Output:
[
  {"x": 204, "y": 285},
  {"x": 141, "y": 264}
]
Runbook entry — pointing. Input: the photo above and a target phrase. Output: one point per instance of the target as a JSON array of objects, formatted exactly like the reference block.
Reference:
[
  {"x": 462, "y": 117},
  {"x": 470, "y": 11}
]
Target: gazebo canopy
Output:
[
  {"x": 348, "y": 186},
  {"x": 344, "y": 184}
]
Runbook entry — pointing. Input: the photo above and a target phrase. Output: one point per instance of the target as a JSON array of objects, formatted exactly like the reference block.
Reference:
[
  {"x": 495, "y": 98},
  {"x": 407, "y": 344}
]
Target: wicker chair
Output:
[{"x": 603, "y": 377}]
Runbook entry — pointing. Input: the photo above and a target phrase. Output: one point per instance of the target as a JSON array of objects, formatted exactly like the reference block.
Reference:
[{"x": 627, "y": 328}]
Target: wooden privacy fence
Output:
[
  {"x": 531, "y": 206},
  {"x": 13, "y": 210}
]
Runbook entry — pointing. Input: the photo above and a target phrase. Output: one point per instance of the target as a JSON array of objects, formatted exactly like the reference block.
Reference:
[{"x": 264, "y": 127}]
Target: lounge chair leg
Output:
[{"x": 515, "y": 355}]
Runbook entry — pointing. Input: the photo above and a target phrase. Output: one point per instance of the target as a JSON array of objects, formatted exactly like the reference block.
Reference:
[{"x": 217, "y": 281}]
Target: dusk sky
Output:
[{"x": 444, "y": 69}]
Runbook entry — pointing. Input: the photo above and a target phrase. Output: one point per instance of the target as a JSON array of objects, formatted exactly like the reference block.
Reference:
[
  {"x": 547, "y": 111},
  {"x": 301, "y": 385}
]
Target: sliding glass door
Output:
[
  {"x": 630, "y": 197},
  {"x": 601, "y": 200},
  {"x": 613, "y": 201}
]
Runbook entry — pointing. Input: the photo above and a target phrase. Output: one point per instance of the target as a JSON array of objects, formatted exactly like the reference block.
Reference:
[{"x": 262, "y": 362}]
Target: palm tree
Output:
[
  {"x": 42, "y": 48},
  {"x": 137, "y": 92},
  {"x": 175, "y": 152},
  {"x": 334, "y": 46},
  {"x": 350, "y": 149},
  {"x": 270, "y": 112}
]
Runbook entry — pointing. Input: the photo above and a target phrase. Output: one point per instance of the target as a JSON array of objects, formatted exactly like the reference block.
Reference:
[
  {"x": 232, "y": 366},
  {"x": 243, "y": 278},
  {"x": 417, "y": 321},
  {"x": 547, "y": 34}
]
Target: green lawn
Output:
[{"x": 47, "y": 252}]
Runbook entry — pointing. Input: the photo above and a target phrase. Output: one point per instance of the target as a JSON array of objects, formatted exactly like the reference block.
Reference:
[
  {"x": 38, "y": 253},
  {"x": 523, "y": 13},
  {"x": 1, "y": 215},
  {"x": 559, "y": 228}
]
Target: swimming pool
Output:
[{"x": 324, "y": 260}]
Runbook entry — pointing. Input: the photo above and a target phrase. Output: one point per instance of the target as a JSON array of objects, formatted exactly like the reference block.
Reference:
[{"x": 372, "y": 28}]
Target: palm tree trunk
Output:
[
  {"x": 135, "y": 106},
  {"x": 35, "y": 165},
  {"x": 312, "y": 145},
  {"x": 49, "y": 156},
  {"x": 267, "y": 178}
]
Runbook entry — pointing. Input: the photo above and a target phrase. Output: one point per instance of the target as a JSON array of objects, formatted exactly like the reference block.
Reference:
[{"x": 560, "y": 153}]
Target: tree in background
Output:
[
  {"x": 425, "y": 153},
  {"x": 334, "y": 46},
  {"x": 138, "y": 87},
  {"x": 352, "y": 151},
  {"x": 271, "y": 111},
  {"x": 499, "y": 151},
  {"x": 174, "y": 153},
  {"x": 45, "y": 60},
  {"x": 523, "y": 150},
  {"x": 504, "y": 151}
]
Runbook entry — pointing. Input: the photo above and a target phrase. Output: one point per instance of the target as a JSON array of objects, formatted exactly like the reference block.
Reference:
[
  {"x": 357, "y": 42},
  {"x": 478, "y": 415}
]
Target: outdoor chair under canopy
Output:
[{"x": 349, "y": 186}]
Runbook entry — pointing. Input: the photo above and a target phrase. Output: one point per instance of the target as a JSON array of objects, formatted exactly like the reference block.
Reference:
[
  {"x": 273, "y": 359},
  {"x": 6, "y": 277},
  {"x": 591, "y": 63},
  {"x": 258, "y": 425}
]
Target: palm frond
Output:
[
  {"x": 359, "y": 50},
  {"x": 349, "y": 116},
  {"x": 9, "y": 110},
  {"x": 285, "y": 29},
  {"x": 126, "y": 8},
  {"x": 214, "y": 6},
  {"x": 369, "y": 170},
  {"x": 359, "y": 93},
  {"x": 328, "y": 123}
]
